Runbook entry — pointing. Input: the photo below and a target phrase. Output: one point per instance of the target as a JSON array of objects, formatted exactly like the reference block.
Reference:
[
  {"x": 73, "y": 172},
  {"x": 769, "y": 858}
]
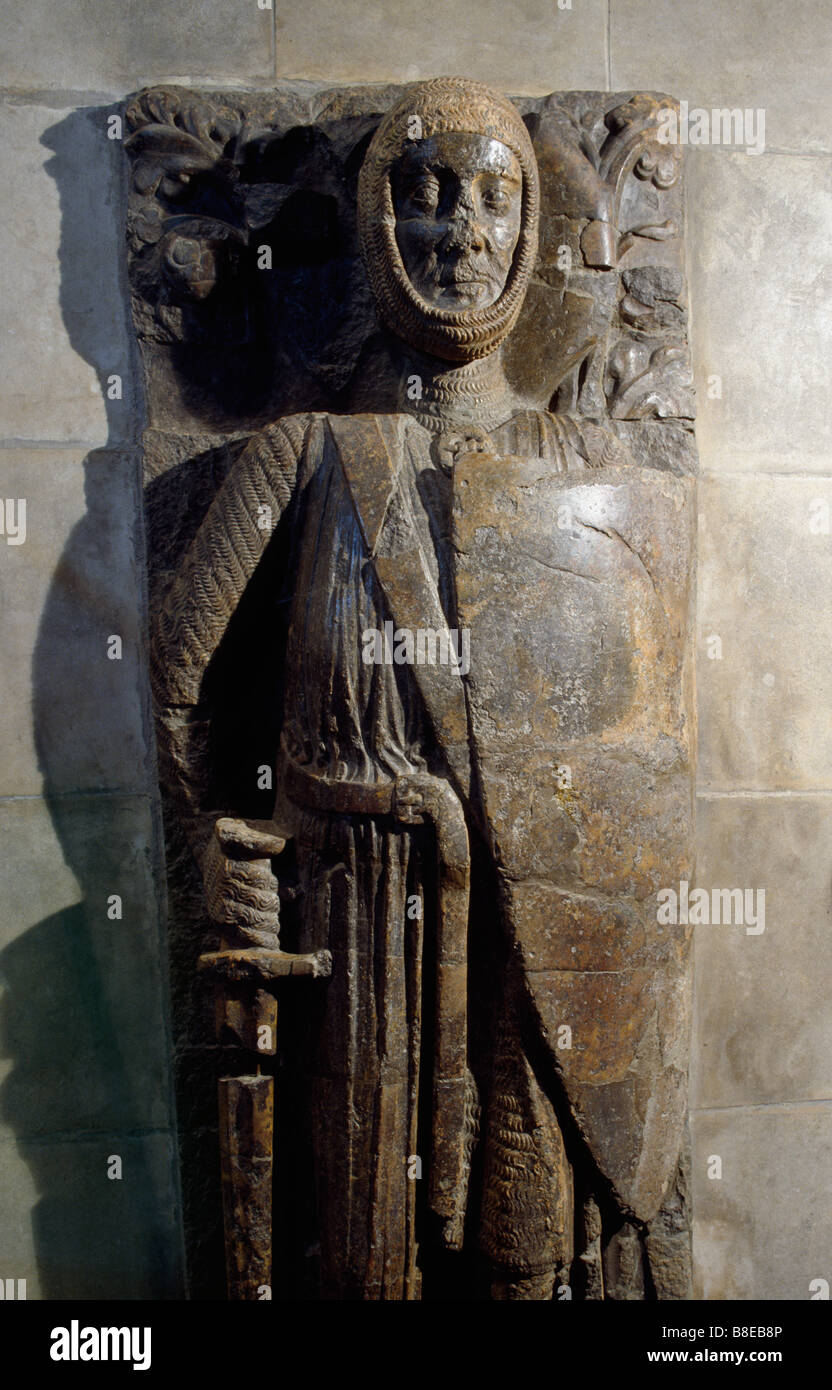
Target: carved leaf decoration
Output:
[
  {"x": 633, "y": 146},
  {"x": 661, "y": 169},
  {"x": 646, "y": 380},
  {"x": 163, "y": 106},
  {"x": 213, "y": 176},
  {"x": 169, "y": 142},
  {"x": 158, "y": 105},
  {"x": 169, "y": 158},
  {"x": 664, "y": 231},
  {"x": 215, "y": 125},
  {"x": 184, "y": 154}
]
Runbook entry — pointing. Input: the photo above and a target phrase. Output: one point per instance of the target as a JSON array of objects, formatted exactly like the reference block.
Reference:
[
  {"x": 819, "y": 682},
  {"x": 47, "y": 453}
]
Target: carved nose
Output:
[{"x": 463, "y": 233}]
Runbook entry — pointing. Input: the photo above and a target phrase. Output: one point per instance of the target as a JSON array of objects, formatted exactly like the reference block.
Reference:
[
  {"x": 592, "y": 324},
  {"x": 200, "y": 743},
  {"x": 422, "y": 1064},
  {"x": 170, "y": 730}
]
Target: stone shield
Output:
[{"x": 575, "y": 589}]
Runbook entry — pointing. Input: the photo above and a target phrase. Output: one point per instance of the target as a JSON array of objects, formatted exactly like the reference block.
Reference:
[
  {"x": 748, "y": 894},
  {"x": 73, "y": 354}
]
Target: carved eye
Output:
[
  {"x": 423, "y": 195},
  {"x": 496, "y": 200}
]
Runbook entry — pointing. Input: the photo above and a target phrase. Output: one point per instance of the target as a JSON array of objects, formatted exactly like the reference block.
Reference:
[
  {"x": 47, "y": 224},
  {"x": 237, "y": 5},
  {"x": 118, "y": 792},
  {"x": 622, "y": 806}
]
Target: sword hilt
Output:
[{"x": 245, "y": 1004}]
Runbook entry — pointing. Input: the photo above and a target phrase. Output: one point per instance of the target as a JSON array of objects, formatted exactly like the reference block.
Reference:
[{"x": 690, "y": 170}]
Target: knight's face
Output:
[{"x": 458, "y": 202}]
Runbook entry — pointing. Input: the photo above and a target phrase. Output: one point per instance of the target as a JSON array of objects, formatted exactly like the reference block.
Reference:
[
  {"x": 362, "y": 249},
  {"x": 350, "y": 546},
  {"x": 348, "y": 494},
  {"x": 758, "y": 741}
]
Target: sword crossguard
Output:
[
  {"x": 245, "y": 1006},
  {"x": 261, "y": 966}
]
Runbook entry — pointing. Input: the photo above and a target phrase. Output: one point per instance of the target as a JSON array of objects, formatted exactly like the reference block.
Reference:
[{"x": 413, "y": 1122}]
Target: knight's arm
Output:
[
  {"x": 592, "y": 446},
  {"x": 198, "y": 608}
]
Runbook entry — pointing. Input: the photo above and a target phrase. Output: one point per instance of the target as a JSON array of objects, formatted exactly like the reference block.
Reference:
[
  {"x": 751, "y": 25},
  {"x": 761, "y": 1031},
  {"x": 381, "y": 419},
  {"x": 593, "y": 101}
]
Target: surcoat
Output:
[{"x": 552, "y": 549}]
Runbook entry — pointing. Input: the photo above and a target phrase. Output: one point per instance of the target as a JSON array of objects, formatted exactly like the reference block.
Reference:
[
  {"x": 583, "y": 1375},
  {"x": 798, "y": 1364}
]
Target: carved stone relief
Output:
[{"x": 419, "y": 473}]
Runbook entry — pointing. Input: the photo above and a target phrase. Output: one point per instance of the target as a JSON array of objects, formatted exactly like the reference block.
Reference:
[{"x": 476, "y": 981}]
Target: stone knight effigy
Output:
[{"x": 420, "y": 509}]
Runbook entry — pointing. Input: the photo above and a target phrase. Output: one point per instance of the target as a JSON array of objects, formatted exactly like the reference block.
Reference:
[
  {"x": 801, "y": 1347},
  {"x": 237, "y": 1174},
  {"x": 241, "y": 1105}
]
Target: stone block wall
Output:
[{"x": 84, "y": 1030}]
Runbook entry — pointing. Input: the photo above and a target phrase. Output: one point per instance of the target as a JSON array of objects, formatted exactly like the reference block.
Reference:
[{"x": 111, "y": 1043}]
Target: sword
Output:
[{"x": 246, "y": 1018}]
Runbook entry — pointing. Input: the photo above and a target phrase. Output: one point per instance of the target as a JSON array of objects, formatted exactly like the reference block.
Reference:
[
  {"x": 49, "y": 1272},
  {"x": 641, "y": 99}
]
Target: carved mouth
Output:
[
  {"x": 465, "y": 282},
  {"x": 459, "y": 275}
]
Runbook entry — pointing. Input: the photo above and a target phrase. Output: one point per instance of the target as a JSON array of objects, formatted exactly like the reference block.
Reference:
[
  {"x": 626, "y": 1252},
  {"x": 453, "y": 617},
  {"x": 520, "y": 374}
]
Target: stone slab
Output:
[
  {"x": 83, "y": 1027},
  {"x": 760, "y": 1231},
  {"x": 98, "y": 46},
  {"x": 761, "y": 291},
  {"x": 73, "y": 1233},
  {"x": 763, "y": 1011},
  {"x": 745, "y": 54},
  {"x": 70, "y": 718},
  {"x": 765, "y": 576},
  {"x": 63, "y": 314},
  {"x": 360, "y": 41}
]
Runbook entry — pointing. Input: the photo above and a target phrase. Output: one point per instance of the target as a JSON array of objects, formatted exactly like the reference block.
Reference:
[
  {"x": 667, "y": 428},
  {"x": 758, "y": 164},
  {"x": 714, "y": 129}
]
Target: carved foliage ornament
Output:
[{"x": 206, "y": 195}]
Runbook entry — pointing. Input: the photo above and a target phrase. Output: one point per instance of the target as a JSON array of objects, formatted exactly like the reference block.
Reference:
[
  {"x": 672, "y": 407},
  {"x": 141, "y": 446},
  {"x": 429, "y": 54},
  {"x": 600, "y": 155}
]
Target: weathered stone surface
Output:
[
  {"x": 743, "y": 55},
  {"x": 71, "y": 586},
  {"x": 791, "y": 437},
  {"x": 551, "y": 691},
  {"x": 74, "y": 1233},
  {"x": 61, "y": 222},
  {"x": 673, "y": 447},
  {"x": 763, "y": 1030},
  {"x": 74, "y": 1038},
  {"x": 264, "y": 260},
  {"x": 116, "y": 47},
  {"x": 758, "y": 1231},
  {"x": 357, "y": 42},
  {"x": 766, "y": 569},
  {"x": 403, "y": 471},
  {"x": 761, "y": 282},
  {"x": 669, "y": 1239},
  {"x": 246, "y": 1105}
]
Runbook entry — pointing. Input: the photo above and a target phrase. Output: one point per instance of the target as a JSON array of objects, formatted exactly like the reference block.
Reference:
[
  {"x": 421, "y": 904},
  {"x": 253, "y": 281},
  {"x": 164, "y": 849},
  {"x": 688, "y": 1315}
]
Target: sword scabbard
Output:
[
  {"x": 246, "y": 1109},
  {"x": 245, "y": 1012}
]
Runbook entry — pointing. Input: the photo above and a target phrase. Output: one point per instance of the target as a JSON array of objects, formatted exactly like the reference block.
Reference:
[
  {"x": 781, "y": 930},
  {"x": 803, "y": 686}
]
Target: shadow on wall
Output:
[{"x": 84, "y": 1016}]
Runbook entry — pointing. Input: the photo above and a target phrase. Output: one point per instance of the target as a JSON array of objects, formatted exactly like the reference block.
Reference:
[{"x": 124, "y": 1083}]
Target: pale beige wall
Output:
[{"x": 83, "y": 1033}]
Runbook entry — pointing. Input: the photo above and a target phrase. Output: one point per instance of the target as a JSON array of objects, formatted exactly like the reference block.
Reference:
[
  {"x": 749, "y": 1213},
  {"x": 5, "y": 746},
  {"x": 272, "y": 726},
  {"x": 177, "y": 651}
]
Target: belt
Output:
[
  {"x": 317, "y": 793},
  {"x": 411, "y": 799}
]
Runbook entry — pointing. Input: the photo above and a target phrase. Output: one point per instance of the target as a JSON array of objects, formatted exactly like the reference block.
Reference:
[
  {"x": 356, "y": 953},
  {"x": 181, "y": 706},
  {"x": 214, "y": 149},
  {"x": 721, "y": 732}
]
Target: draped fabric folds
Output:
[{"x": 366, "y": 880}]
